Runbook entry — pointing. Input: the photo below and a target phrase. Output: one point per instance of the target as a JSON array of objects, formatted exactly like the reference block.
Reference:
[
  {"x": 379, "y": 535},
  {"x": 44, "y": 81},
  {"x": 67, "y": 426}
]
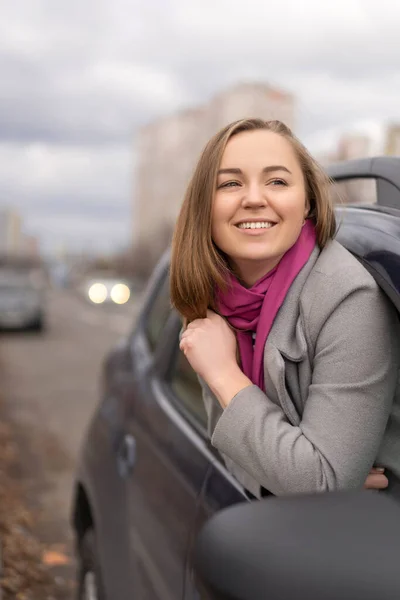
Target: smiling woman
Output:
[
  {"x": 240, "y": 208},
  {"x": 294, "y": 344}
]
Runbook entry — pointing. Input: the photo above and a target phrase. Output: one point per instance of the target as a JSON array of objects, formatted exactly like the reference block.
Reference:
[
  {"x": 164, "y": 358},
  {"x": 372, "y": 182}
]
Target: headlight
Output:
[
  {"x": 97, "y": 293},
  {"x": 120, "y": 293}
]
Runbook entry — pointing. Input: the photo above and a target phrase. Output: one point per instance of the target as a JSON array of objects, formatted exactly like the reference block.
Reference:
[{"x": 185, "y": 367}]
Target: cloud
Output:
[
  {"x": 75, "y": 74},
  {"x": 68, "y": 79},
  {"x": 44, "y": 172},
  {"x": 80, "y": 233},
  {"x": 79, "y": 78},
  {"x": 78, "y": 196}
]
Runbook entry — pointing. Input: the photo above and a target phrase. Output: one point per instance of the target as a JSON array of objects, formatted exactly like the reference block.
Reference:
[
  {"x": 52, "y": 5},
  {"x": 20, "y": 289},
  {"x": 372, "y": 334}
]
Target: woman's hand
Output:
[
  {"x": 376, "y": 479},
  {"x": 210, "y": 347}
]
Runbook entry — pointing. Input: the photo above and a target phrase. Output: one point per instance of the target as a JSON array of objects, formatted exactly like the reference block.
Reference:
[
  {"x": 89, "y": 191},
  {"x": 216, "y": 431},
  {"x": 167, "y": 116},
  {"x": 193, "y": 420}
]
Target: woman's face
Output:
[{"x": 259, "y": 204}]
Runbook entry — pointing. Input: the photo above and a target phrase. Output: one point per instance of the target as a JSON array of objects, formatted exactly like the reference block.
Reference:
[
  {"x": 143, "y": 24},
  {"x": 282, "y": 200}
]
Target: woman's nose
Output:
[{"x": 254, "y": 196}]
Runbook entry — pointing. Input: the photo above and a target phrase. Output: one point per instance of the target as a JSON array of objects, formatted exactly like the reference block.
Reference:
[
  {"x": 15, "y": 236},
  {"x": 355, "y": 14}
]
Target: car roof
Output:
[
  {"x": 385, "y": 170},
  {"x": 372, "y": 233}
]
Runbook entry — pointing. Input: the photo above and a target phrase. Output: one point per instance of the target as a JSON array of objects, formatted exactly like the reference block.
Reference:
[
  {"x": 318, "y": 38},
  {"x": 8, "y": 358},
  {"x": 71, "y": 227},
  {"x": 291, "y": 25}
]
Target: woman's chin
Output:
[
  {"x": 269, "y": 260},
  {"x": 256, "y": 255}
]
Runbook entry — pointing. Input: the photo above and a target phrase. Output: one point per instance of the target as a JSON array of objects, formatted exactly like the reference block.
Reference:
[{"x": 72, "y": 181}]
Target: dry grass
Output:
[{"x": 24, "y": 576}]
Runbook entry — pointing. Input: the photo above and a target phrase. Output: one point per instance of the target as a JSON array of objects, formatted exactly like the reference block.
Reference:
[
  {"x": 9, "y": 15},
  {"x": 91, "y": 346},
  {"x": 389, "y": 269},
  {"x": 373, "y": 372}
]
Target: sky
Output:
[{"x": 78, "y": 78}]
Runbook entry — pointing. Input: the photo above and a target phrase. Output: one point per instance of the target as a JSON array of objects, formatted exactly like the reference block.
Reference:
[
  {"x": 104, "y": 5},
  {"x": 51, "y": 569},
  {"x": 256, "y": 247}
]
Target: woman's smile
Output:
[{"x": 255, "y": 228}]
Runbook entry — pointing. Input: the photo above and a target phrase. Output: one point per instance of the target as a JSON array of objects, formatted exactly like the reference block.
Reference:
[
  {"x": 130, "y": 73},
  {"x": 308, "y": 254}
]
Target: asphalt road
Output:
[{"x": 49, "y": 383}]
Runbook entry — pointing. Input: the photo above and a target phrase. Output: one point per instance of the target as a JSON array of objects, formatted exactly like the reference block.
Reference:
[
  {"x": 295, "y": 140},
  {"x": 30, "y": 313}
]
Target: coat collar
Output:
[{"x": 287, "y": 333}]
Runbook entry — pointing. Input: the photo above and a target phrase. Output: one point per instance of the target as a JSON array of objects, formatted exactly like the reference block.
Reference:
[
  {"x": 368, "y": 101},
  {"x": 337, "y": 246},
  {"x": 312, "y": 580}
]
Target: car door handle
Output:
[{"x": 126, "y": 455}]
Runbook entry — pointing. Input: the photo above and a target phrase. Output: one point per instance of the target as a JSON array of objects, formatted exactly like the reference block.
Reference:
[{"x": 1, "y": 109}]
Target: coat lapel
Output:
[
  {"x": 287, "y": 343},
  {"x": 287, "y": 334}
]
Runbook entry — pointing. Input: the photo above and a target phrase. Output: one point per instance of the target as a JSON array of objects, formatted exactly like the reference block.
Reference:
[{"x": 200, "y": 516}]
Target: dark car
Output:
[
  {"x": 22, "y": 296},
  {"x": 148, "y": 478}
]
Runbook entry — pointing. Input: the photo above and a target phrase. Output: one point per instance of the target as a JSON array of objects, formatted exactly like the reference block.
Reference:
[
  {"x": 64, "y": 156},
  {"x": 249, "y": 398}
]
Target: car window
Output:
[
  {"x": 187, "y": 389},
  {"x": 158, "y": 313}
]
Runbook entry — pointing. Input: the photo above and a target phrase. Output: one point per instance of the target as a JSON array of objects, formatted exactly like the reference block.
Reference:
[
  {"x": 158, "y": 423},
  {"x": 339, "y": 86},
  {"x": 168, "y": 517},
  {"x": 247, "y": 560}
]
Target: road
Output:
[{"x": 49, "y": 383}]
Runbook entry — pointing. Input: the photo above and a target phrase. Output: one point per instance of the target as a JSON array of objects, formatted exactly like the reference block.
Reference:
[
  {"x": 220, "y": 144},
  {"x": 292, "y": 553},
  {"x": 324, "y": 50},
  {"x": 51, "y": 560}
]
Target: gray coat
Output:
[{"x": 331, "y": 408}]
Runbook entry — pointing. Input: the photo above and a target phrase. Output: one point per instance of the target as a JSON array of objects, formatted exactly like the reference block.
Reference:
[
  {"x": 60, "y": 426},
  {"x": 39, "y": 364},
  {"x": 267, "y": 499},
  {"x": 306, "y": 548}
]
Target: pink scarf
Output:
[{"x": 254, "y": 309}]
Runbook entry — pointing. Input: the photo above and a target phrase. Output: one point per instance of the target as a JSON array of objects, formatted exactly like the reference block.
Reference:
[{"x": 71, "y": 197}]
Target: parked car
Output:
[
  {"x": 148, "y": 478},
  {"x": 22, "y": 297}
]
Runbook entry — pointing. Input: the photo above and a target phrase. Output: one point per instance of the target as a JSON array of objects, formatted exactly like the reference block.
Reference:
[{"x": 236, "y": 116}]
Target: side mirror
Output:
[{"x": 334, "y": 546}]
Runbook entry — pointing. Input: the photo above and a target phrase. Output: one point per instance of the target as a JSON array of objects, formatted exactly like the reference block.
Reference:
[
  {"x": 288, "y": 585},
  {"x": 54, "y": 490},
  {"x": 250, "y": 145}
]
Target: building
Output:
[
  {"x": 166, "y": 152},
  {"x": 361, "y": 140},
  {"x": 168, "y": 149},
  {"x": 392, "y": 141},
  {"x": 30, "y": 246},
  {"x": 14, "y": 241},
  {"x": 250, "y": 100},
  {"x": 10, "y": 231}
]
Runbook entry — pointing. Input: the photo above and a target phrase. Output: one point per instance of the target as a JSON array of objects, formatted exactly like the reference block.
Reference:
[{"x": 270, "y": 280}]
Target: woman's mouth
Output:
[{"x": 255, "y": 227}]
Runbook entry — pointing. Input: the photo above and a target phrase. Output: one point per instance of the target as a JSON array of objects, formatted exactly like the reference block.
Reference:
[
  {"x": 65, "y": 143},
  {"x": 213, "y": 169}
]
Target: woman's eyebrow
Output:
[
  {"x": 270, "y": 169},
  {"x": 230, "y": 171},
  {"x": 276, "y": 168}
]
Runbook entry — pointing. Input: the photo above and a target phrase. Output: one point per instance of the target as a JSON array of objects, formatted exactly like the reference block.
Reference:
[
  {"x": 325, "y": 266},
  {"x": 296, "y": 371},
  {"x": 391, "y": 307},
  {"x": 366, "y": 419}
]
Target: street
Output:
[{"x": 49, "y": 387}]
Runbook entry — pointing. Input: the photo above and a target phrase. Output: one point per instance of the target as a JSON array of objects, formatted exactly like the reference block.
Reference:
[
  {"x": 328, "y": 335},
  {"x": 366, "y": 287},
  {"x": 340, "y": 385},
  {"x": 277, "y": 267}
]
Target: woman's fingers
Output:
[{"x": 376, "y": 481}]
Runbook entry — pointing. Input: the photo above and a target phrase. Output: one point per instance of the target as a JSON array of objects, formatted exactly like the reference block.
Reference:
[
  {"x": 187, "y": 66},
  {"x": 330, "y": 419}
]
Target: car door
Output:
[
  {"x": 220, "y": 490},
  {"x": 166, "y": 455}
]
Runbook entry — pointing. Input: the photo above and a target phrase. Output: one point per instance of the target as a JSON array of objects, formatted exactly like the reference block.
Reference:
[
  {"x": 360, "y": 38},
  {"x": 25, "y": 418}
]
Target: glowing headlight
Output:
[
  {"x": 120, "y": 293},
  {"x": 97, "y": 293}
]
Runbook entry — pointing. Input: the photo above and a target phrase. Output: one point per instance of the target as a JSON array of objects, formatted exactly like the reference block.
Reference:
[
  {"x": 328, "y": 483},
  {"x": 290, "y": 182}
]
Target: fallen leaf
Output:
[{"x": 53, "y": 558}]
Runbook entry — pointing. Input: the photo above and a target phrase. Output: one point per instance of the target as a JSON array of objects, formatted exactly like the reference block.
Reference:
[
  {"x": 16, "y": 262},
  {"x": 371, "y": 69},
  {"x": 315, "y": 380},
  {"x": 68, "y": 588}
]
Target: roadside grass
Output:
[{"x": 26, "y": 563}]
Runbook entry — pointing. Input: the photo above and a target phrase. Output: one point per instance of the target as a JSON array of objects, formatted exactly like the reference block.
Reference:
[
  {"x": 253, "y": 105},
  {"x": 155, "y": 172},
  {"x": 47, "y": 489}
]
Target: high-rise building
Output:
[
  {"x": 30, "y": 246},
  {"x": 168, "y": 149},
  {"x": 393, "y": 140},
  {"x": 10, "y": 231},
  {"x": 363, "y": 139},
  {"x": 14, "y": 241}
]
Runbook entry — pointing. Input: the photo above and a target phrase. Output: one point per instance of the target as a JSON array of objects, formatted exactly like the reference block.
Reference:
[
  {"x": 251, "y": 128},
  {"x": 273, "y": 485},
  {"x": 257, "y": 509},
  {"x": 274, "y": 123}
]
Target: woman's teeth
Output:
[{"x": 258, "y": 225}]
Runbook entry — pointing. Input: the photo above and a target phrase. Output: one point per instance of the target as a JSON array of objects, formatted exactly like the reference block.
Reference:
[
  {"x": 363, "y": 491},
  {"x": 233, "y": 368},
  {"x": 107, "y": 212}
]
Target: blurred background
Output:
[
  {"x": 105, "y": 106},
  {"x": 104, "y": 109}
]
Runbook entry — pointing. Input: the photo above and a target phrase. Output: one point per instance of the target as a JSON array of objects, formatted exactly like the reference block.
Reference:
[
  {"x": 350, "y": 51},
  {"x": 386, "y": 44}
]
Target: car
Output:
[
  {"x": 103, "y": 289},
  {"x": 22, "y": 296},
  {"x": 148, "y": 479}
]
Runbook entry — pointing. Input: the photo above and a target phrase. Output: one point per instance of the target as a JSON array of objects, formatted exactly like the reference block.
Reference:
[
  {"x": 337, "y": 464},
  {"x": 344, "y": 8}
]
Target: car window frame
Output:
[
  {"x": 149, "y": 311},
  {"x": 164, "y": 359},
  {"x": 139, "y": 329},
  {"x": 195, "y": 423},
  {"x": 164, "y": 355},
  {"x": 163, "y": 363}
]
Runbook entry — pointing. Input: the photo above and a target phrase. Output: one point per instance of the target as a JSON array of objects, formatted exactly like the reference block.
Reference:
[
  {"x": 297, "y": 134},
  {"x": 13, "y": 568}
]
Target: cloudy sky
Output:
[{"x": 78, "y": 78}]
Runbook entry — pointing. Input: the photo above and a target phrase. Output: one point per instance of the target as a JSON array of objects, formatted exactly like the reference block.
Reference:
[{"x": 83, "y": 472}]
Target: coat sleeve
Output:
[
  {"x": 355, "y": 373},
  {"x": 211, "y": 405}
]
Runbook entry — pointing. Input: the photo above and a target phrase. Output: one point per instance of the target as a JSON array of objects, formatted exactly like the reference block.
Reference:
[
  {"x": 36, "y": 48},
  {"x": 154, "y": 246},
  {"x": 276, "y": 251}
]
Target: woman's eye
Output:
[
  {"x": 228, "y": 184},
  {"x": 278, "y": 182}
]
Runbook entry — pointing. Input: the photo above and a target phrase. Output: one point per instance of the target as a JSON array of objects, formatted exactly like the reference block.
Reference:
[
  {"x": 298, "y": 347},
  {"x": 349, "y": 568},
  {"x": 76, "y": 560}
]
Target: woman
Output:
[{"x": 294, "y": 344}]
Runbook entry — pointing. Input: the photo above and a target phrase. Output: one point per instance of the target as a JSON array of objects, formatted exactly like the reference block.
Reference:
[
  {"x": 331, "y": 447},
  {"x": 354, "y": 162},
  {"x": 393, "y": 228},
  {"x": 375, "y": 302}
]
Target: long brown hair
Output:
[{"x": 197, "y": 265}]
